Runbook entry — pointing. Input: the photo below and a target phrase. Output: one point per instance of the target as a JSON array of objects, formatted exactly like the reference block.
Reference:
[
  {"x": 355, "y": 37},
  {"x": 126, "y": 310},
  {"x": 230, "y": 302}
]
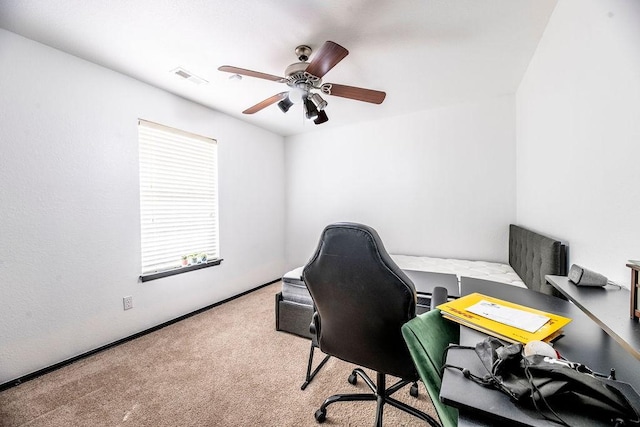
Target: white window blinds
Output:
[{"x": 178, "y": 197}]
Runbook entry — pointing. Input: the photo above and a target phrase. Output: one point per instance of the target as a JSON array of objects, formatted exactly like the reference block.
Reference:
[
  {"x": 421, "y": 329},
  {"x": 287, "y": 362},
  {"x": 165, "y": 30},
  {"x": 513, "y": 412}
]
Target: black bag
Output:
[{"x": 560, "y": 390}]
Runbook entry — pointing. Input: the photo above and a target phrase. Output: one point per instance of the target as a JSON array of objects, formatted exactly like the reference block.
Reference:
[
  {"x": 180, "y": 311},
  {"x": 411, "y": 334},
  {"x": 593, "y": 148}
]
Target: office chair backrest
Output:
[{"x": 362, "y": 299}]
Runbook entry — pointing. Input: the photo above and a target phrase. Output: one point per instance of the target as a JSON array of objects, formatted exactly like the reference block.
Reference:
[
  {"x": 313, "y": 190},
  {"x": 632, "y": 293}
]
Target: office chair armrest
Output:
[
  {"x": 314, "y": 322},
  {"x": 438, "y": 296},
  {"x": 314, "y": 327}
]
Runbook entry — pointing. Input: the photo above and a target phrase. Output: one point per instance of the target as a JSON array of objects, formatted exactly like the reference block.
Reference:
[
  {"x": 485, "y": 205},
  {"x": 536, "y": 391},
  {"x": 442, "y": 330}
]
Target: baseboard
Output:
[{"x": 66, "y": 362}]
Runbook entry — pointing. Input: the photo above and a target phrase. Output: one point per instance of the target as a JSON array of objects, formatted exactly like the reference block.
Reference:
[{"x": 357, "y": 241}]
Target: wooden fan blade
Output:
[
  {"x": 250, "y": 73},
  {"x": 326, "y": 58},
  {"x": 351, "y": 92},
  {"x": 260, "y": 105}
]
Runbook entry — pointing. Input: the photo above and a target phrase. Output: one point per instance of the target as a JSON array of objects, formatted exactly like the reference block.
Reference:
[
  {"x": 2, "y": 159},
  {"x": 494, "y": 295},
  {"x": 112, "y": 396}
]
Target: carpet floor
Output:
[{"x": 227, "y": 366}]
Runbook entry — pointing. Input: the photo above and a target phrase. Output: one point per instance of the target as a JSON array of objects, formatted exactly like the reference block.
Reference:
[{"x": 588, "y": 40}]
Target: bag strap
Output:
[{"x": 489, "y": 380}]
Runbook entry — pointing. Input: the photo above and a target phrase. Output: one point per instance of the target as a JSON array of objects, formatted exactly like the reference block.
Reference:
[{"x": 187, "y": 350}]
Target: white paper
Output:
[{"x": 520, "y": 319}]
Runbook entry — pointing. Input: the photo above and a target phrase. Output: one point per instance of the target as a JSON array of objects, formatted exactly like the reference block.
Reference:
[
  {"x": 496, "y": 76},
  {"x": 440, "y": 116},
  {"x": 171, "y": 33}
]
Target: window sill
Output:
[{"x": 179, "y": 270}]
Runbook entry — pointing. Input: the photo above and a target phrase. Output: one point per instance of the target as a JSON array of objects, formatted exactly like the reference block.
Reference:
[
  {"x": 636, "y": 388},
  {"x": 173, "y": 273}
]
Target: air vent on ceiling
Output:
[{"x": 182, "y": 73}]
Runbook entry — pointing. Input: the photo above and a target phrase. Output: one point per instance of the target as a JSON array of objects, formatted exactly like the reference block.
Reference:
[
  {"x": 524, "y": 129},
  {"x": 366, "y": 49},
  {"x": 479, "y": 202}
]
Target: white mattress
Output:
[
  {"x": 294, "y": 289},
  {"x": 295, "y": 274},
  {"x": 493, "y": 271}
]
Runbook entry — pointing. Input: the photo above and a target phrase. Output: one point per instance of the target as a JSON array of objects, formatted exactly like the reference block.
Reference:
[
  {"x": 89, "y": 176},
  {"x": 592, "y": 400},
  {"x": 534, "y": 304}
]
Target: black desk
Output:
[
  {"x": 425, "y": 281},
  {"x": 584, "y": 341}
]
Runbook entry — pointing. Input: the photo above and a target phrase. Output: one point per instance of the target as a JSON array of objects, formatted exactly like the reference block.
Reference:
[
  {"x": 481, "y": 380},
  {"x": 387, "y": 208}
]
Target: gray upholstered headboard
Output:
[{"x": 533, "y": 256}]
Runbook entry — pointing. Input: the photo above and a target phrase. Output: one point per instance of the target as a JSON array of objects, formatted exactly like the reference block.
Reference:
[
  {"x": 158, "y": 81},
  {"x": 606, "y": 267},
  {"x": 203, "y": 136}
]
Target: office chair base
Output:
[
  {"x": 381, "y": 394},
  {"x": 353, "y": 380},
  {"x": 413, "y": 391},
  {"x": 311, "y": 375}
]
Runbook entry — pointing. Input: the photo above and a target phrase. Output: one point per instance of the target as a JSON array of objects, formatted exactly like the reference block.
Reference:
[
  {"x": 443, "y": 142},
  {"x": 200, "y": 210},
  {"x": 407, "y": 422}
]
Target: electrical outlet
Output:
[{"x": 127, "y": 302}]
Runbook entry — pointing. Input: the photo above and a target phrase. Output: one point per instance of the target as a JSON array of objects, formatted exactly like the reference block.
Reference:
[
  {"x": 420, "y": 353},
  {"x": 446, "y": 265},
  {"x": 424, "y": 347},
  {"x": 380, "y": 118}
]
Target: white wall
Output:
[
  {"x": 69, "y": 209},
  {"x": 578, "y": 134},
  {"x": 439, "y": 182}
]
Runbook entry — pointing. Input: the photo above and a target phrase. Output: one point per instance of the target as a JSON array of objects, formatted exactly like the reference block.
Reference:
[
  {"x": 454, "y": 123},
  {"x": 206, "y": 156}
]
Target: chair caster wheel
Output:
[
  {"x": 321, "y": 416},
  {"x": 413, "y": 391},
  {"x": 353, "y": 379}
]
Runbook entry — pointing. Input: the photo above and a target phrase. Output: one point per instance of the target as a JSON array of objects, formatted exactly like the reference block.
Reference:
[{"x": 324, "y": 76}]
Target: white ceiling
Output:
[{"x": 423, "y": 53}]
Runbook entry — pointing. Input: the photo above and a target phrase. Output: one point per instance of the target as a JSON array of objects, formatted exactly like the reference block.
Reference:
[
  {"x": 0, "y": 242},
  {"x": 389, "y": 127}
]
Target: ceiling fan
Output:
[{"x": 305, "y": 83}]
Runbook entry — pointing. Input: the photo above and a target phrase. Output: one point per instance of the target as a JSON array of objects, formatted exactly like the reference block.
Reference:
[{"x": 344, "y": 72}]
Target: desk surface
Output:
[
  {"x": 584, "y": 341},
  {"x": 425, "y": 281},
  {"x": 608, "y": 306}
]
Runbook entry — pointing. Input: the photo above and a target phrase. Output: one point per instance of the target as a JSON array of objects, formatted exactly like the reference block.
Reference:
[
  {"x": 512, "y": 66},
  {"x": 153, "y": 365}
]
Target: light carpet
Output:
[{"x": 227, "y": 366}]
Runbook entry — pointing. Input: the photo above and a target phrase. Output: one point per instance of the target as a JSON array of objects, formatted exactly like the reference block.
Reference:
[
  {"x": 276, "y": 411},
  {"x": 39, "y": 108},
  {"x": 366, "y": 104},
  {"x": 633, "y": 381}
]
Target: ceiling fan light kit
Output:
[
  {"x": 303, "y": 78},
  {"x": 285, "y": 104},
  {"x": 322, "y": 117},
  {"x": 310, "y": 110},
  {"x": 318, "y": 101}
]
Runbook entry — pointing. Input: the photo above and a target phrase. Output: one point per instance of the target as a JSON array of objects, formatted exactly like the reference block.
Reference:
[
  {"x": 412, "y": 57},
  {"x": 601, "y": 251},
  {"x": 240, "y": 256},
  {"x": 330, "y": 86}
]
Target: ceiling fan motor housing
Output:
[
  {"x": 298, "y": 78},
  {"x": 296, "y": 70}
]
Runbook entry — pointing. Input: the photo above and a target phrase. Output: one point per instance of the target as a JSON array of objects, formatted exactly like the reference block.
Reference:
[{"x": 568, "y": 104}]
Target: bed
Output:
[{"x": 531, "y": 257}]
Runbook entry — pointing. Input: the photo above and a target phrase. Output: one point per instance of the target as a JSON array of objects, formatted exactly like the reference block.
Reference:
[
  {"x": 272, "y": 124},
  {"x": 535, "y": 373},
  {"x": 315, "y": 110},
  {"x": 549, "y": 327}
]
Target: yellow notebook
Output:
[{"x": 503, "y": 319}]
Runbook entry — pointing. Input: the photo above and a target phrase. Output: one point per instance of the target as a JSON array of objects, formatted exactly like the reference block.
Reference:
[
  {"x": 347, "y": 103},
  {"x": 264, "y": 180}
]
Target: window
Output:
[{"x": 178, "y": 200}]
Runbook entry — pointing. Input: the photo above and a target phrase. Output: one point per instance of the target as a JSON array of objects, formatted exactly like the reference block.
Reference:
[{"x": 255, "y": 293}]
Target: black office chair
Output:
[{"x": 362, "y": 299}]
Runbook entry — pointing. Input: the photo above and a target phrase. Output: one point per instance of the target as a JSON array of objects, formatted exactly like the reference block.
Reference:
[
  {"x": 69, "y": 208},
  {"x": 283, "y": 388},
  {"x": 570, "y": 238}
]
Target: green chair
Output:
[{"x": 427, "y": 336}]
